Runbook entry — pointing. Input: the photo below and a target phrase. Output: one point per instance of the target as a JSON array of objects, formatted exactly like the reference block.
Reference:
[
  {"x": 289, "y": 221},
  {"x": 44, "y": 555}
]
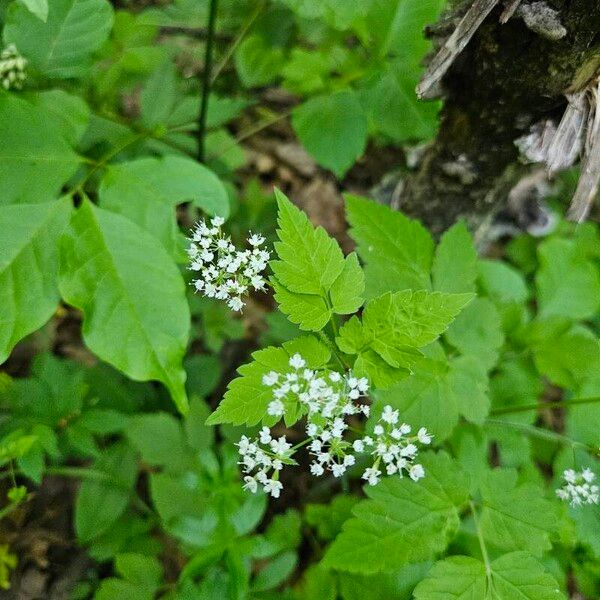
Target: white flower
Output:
[
  {"x": 256, "y": 239},
  {"x": 423, "y": 436},
  {"x": 273, "y": 487},
  {"x": 579, "y": 488},
  {"x": 297, "y": 362},
  {"x": 371, "y": 475},
  {"x": 389, "y": 415},
  {"x": 359, "y": 446},
  {"x": 416, "y": 472},
  {"x": 12, "y": 68},
  {"x": 225, "y": 273},
  {"x": 280, "y": 446},
  {"x": 250, "y": 484},
  {"x": 271, "y": 378},
  {"x": 276, "y": 408},
  {"x": 338, "y": 470},
  {"x": 316, "y": 469},
  {"x": 265, "y": 435}
]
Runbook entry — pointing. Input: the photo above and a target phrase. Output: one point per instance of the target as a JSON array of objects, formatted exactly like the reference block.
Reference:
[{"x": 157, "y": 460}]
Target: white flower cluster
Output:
[
  {"x": 224, "y": 272},
  {"x": 392, "y": 445},
  {"x": 12, "y": 68},
  {"x": 579, "y": 488},
  {"x": 264, "y": 461},
  {"x": 328, "y": 398}
]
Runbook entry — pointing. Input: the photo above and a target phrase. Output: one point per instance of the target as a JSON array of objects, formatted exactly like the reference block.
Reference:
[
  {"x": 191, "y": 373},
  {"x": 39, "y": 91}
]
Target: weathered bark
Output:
[{"x": 506, "y": 79}]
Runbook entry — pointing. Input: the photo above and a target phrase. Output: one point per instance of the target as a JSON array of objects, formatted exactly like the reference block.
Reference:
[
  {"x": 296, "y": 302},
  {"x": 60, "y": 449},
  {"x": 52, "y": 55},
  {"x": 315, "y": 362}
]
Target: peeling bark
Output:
[{"x": 506, "y": 79}]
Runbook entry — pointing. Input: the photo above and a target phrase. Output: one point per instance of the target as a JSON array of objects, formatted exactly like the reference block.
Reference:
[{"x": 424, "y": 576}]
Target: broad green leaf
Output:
[
  {"x": 101, "y": 502},
  {"x": 279, "y": 569},
  {"x": 35, "y": 158},
  {"x": 517, "y": 517},
  {"x": 29, "y": 236},
  {"x": 568, "y": 283},
  {"x": 512, "y": 576},
  {"x": 392, "y": 105},
  {"x": 159, "y": 95},
  {"x": 145, "y": 571},
  {"x": 312, "y": 280},
  {"x": 257, "y": 62},
  {"x": 336, "y": 13},
  {"x": 477, "y": 331},
  {"x": 328, "y": 519},
  {"x": 501, "y": 282},
  {"x": 402, "y": 522},
  {"x": 70, "y": 113},
  {"x": 247, "y": 398},
  {"x": 62, "y": 46},
  {"x": 318, "y": 584},
  {"x": 397, "y": 585},
  {"x": 468, "y": 381},
  {"x": 397, "y": 251},
  {"x": 455, "y": 263},
  {"x": 147, "y": 190},
  {"x": 159, "y": 439},
  {"x": 37, "y": 7},
  {"x": 333, "y": 128},
  {"x": 129, "y": 290}
]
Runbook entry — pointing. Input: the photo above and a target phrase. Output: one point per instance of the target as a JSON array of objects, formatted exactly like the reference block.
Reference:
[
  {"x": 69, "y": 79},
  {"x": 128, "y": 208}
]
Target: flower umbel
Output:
[
  {"x": 262, "y": 459},
  {"x": 579, "y": 488},
  {"x": 225, "y": 272},
  {"x": 12, "y": 68},
  {"x": 328, "y": 398}
]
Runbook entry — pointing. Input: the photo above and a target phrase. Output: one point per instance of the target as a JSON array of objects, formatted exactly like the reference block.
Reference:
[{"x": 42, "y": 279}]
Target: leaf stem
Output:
[
  {"x": 543, "y": 405},
  {"x": 482, "y": 546},
  {"x": 206, "y": 78}
]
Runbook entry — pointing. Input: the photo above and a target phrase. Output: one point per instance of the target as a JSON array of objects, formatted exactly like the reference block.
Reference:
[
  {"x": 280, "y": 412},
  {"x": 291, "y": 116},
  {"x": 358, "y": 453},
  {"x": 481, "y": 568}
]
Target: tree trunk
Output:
[{"x": 507, "y": 78}]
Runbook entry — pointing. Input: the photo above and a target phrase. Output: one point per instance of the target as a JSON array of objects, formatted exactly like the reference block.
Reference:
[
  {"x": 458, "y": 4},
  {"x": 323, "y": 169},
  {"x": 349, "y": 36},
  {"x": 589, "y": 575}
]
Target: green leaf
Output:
[
  {"x": 397, "y": 251},
  {"x": 312, "y": 280},
  {"x": 70, "y": 113},
  {"x": 568, "y": 284},
  {"x": 328, "y": 519},
  {"x": 393, "y": 324},
  {"x": 517, "y": 517},
  {"x": 279, "y": 569},
  {"x": 247, "y": 398},
  {"x": 159, "y": 95},
  {"x": 62, "y": 47},
  {"x": 402, "y": 522},
  {"x": 35, "y": 159},
  {"x": 101, "y": 502},
  {"x": 147, "y": 190},
  {"x": 128, "y": 289},
  {"x": 318, "y": 584},
  {"x": 159, "y": 439},
  {"x": 477, "y": 331},
  {"x": 455, "y": 263},
  {"x": 257, "y": 62},
  {"x": 514, "y": 575},
  {"x": 333, "y": 129},
  {"x": 37, "y": 7},
  {"x": 501, "y": 282},
  {"x": 29, "y": 237},
  {"x": 145, "y": 571},
  {"x": 338, "y": 14}
]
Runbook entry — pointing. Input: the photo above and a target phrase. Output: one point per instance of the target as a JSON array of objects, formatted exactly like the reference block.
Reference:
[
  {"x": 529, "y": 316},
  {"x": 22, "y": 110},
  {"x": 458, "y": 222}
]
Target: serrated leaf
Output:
[
  {"x": 347, "y": 290},
  {"x": 159, "y": 95},
  {"x": 501, "y": 282},
  {"x": 516, "y": 517},
  {"x": 35, "y": 159},
  {"x": 333, "y": 128},
  {"x": 147, "y": 190},
  {"x": 455, "y": 263},
  {"x": 128, "y": 289},
  {"x": 29, "y": 236},
  {"x": 514, "y": 575},
  {"x": 477, "y": 331},
  {"x": 397, "y": 251},
  {"x": 568, "y": 283},
  {"x": 312, "y": 280},
  {"x": 402, "y": 522},
  {"x": 247, "y": 398},
  {"x": 62, "y": 46}
]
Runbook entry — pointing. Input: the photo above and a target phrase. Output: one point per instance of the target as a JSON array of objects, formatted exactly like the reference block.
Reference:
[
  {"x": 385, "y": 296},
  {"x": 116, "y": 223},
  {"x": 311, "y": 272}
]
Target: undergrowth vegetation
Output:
[{"x": 238, "y": 404}]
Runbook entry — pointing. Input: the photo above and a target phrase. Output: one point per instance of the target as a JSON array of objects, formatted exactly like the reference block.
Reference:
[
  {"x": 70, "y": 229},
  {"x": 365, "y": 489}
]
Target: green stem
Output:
[
  {"x": 482, "y": 546},
  {"x": 206, "y": 78},
  {"x": 237, "y": 40},
  {"x": 543, "y": 434},
  {"x": 542, "y": 405}
]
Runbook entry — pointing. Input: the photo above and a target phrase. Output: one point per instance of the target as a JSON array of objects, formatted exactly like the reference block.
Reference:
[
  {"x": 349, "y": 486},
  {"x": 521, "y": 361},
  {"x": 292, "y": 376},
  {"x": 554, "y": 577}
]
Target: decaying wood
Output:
[
  {"x": 509, "y": 11},
  {"x": 568, "y": 141},
  {"x": 429, "y": 87},
  {"x": 587, "y": 187}
]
